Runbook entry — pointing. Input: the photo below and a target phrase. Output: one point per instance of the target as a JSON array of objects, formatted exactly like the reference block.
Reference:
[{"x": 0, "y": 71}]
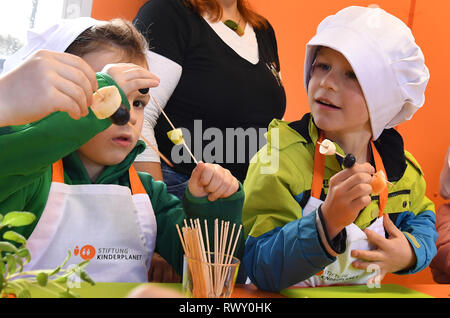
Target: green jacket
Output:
[
  {"x": 28, "y": 151},
  {"x": 282, "y": 247}
]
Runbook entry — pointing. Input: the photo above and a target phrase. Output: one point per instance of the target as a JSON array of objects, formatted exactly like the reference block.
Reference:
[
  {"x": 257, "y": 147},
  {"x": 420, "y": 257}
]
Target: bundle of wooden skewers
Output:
[{"x": 210, "y": 270}]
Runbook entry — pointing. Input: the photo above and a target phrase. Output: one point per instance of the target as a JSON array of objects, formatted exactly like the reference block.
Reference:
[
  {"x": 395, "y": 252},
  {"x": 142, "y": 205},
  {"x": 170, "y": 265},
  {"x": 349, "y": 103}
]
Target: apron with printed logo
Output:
[
  {"x": 110, "y": 225},
  {"x": 341, "y": 270}
]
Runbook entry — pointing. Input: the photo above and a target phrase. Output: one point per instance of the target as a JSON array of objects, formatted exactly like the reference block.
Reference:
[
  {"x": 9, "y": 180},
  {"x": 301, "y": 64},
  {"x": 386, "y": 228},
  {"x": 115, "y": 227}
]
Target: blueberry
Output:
[
  {"x": 349, "y": 160},
  {"x": 143, "y": 91},
  {"x": 121, "y": 116}
]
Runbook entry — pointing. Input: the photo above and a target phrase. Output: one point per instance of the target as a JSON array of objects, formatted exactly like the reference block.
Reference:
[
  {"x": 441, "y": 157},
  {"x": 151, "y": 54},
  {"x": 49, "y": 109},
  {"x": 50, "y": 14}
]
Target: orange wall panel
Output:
[{"x": 109, "y": 9}]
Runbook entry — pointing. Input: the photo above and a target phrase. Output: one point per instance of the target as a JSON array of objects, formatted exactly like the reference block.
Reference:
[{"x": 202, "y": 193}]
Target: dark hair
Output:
[
  {"x": 119, "y": 33},
  {"x": 214, "y": 9}
]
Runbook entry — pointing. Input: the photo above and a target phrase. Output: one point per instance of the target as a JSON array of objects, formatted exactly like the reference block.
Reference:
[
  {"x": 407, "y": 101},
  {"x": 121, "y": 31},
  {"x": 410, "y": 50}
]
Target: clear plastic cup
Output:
[{"x": 210, "y": 279}]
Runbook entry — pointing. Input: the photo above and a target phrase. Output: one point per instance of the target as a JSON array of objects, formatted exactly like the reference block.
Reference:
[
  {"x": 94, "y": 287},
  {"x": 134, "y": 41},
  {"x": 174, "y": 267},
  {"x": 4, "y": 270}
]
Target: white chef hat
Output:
[
  {"x": 56, "y": 37},
  {"x": 389, "y": 65}
]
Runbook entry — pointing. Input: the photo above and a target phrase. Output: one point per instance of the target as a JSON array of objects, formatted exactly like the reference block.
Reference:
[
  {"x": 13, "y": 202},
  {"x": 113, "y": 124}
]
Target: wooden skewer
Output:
[
  {"x": 146, "y": 141},
  {"x": 208, "y": 278},
  {"x": 162, "y": 111},
  {"x": 101, "y": 95},
  {"x": 343, "y": 157},
  {"x": 173, "y": 127},
  {"x": 152, "y": 146},
  {"x": 190, "y": 153},
  {"x": 210, "y": 290}
]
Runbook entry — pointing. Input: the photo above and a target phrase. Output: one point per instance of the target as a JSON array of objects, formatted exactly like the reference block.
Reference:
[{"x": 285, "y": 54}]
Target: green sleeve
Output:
[
  {"x": 25, "y": 173},
  {"x": 269, "y": 197},
  {"x": 29, "y": 150},
  {"x": 32, "y": 148}
]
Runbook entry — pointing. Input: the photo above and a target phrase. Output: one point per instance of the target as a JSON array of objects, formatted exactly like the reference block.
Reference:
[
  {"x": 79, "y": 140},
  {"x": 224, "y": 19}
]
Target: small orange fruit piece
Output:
[{"x": 378, "y": 182}]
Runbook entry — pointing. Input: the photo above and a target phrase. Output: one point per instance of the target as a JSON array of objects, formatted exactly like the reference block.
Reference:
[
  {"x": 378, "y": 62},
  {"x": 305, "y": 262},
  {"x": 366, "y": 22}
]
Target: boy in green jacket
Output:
[{"x": 77, "y": 176}]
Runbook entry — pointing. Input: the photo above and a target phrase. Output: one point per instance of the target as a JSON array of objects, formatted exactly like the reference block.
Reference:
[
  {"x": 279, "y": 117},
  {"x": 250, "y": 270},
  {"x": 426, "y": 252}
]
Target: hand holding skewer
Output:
[
  {"x": 379, "y": 179},
  {"x": 175, "y": 135},
  {"x": 328, "y": 148}
]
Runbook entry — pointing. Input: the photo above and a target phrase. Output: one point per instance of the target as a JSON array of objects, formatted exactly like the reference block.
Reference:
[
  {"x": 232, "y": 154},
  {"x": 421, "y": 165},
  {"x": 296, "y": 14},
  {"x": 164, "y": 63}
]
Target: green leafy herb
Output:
[{"x": 14, "y": 281}]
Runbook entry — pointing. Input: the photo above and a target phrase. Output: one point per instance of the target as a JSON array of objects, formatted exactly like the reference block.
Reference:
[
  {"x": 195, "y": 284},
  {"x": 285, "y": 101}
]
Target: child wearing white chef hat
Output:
[
  {"x": 77, "y": 176},
  {"x": 315, "y": 220}
]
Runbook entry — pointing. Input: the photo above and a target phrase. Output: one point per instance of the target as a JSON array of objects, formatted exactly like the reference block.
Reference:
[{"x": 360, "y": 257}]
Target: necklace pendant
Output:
[{"x": 234, "y": 26}]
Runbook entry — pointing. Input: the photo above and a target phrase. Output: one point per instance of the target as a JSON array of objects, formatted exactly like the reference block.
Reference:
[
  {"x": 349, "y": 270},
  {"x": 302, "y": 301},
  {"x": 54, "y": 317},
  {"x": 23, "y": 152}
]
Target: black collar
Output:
[{"x": 389, "y": 145}]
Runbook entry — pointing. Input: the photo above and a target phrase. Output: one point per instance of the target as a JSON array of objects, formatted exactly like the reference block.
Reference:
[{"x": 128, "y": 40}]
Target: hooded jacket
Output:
[
  {"x": 28, "y": 151},
  {"x": 282, "y": 247}
]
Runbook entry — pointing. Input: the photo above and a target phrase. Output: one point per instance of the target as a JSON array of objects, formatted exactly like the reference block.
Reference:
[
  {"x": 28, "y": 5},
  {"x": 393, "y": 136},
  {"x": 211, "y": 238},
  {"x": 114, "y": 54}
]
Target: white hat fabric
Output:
[
  {"x": 389, "y": 65},
  {"x": 56, "y": 38}
]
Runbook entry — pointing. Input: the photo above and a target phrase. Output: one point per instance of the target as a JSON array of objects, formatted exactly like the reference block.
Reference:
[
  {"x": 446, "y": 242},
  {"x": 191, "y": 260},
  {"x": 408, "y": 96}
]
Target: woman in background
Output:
[{"x": 218, "y": 65}]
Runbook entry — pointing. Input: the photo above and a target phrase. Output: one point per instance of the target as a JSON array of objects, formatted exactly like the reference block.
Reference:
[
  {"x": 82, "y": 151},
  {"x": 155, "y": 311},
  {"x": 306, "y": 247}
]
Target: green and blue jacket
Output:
[{"x": 282, "y": 247}]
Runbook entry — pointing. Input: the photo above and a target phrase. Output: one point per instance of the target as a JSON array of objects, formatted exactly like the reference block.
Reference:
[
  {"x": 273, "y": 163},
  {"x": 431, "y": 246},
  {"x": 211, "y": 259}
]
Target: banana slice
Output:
[
  {"x": 176, "y": 136},
  {"x": 106, "y": 101},
  {"x": 327, "y": 148}
]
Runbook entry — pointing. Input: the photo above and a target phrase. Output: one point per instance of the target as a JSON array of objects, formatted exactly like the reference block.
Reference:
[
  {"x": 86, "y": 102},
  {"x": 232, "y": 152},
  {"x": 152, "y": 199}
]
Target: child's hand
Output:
[
  {"x": 46, "y": 82},
  {"x": 393, "y": 254},
  {"x": 212, "y": 180},
  {"x": 349, "y": 192},
  {"x": 131, "y": 77}
]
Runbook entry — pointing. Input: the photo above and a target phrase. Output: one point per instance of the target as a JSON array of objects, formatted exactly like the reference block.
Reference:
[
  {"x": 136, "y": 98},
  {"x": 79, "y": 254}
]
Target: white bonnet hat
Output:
[
  {"x": 56, "y": 38},
  {"x": 389, "y": 65}
]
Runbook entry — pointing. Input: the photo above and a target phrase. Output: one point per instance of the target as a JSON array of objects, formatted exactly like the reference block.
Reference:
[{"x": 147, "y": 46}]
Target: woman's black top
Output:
[{"x": 224, "y": 101}]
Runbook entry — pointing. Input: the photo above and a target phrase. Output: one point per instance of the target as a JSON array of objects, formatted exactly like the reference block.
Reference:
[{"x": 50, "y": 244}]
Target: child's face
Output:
[
  {"x": 335, "y": 97},
  {"x": 112, "y": 145}
]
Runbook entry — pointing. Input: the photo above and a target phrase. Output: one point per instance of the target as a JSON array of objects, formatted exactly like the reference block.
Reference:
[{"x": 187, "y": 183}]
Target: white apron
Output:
[
  {"x": 111, "y": 225},
  {"x": 341, "y": 271}
]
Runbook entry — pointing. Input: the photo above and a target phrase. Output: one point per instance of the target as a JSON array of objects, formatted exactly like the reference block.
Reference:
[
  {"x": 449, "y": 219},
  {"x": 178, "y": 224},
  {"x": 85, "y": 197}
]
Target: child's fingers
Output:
[
  {"x": 79, "y": 64},
  {"x": 360, "y": 264},
  {"x": 207, "y": 175},
  {"x": 360, "y": 203},
  {"x": 197, "y": 173},
  {"x": 133, "y": 72},
  {"x": 131, "y": 77},
  {"x": 356, "y": 186},
  {"x": 225, "y": 184},
  {"x": 368, "y": 255},
  {"x": 355, "y": 191},
  {"x": 216, "y": 180},
  {"x": 68, "y": 99},
  {"x": 78, "y": 80},
  {"x": 234, "y": 186},
  {"x": 347, "y": 173},
  {"x": 136, "y": 84},
  {"x": 379, "y": 240},
  {"x": 359, "y": 178},
  {"x": 390, "y": 227}
]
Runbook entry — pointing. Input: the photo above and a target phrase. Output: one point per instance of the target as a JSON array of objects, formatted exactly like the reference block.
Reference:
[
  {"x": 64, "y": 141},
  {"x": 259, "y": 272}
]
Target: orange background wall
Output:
[{"x": 427, "y": 136}]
